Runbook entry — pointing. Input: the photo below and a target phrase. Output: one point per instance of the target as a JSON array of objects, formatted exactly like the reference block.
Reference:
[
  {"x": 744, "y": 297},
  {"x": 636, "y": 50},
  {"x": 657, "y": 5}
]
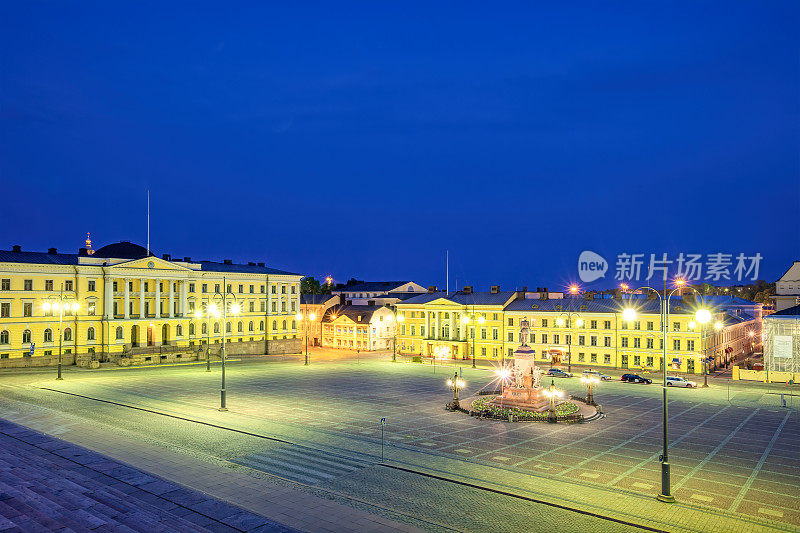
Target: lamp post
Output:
[
  {"x": 223, "y": 297},
  {"x": 61, "y": 304},
  {"x": 199, "y": 315},
  {"x": 308, "y": 318},
  {"x": 397, "y": 320},
  {"x": 559, "y": 323},
  {"x": 590, "y": 382},
  {"x": 455, "y": 385},
  {"x": 553, "y": 395},
  {"x": 466, "y": 320},
  {"x": 702, "y": 316}
]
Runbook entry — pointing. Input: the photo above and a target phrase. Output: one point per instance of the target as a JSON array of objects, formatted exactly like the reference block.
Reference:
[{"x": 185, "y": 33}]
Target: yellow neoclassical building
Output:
[
  {"x": 119, "y": 300},
  {"x": 576, "y": 330}
]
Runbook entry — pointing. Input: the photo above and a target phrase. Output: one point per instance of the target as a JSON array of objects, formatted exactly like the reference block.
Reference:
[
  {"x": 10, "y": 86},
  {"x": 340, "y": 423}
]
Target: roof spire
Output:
[{"x": 89, "y": 250}]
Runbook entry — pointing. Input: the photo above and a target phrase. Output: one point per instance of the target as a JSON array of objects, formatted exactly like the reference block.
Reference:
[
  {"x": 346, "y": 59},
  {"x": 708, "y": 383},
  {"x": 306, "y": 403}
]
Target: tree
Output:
[{"x": 310, "y": 285}]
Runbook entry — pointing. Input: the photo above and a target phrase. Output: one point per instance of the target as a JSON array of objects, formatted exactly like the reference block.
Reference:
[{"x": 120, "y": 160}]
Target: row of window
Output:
[
  {"x": 544, "y": 322},
  {"x": 119, "y": 333},
  {"x": 556, "y": 339},
  {"x": 68, "y": 285},
  {"x": 49, "y": 285},
  {"x": 91, "y": 308}
]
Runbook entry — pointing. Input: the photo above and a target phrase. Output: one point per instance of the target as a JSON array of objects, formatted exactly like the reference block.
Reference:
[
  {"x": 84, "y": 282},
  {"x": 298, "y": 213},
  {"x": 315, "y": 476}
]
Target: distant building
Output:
[
  {"x": 358, "y": 327},
  {"x": 316, "y": 305},
  {"x": 787, "y": 288},
  {"x": 582, "y": 330},
  {"x": 129, "y": 302},
  {"x": 379, "y": 292},
  {"x": 782, "y": 340}
]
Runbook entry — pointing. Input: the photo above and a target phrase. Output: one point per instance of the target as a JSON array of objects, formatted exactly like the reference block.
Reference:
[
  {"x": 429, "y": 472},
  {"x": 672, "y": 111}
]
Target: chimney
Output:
[
  {"x": 166, "y": 257},
  {"x": 543, "y": 294},
  {"x": 187, "y": 259},
  {"x": 52, "y": 251},
  {"x": 16, "y": 248},
  {"x": 250, "y": 263},
  {"x": 261, "y": 264},
  {"x": 467, "y": 289},
  {"x": 228, "y": 261},
  {"x": 588, "y": 296},
  {"x": 495, "y": 289},
  {"x": 431, "y": 288},
  {"x": 524, "y": 288}
]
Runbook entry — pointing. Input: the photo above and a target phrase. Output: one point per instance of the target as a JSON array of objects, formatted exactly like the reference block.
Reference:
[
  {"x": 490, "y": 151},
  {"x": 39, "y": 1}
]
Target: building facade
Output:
[
  {"x": 378, "y": 292},
  {"x": 129, "y": 301},
  {"x": 787, "y": 288},
  {"x": 782, "y": 341},
  {"x": 579, "y": 330},
  {"x": 312, "y": 310},
  {"x": 358, "y": 327}
]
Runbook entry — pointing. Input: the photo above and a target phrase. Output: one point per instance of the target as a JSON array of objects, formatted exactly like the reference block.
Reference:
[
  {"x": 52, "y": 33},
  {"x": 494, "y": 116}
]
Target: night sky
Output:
[{"x": 364, "y": 140}]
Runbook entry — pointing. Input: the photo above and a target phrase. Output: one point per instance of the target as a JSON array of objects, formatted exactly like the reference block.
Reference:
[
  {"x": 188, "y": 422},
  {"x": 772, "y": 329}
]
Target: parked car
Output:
[
  {"x": 635, "y": 378},
  {"x": 558, "y": 373},
  {"x": 595, "y": 373},
  {"x": 676, "y": 381}
]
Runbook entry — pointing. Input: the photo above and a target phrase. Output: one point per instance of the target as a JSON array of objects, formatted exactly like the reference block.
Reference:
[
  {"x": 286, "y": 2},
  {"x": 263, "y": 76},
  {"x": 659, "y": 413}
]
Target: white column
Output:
[
  {"x": 184, "y": 298},
  {"x": 171, "y": 299},
  {"x": 269, "y": 301},
  {"x": 436, "y": 325},
  {"x": 127, "y": 298},
  {"x": 109, "y": 301},
  {"x": 141, "y": 298},
  {"x": 452, "y": 325},
  {"x": 158, "y": 297}
]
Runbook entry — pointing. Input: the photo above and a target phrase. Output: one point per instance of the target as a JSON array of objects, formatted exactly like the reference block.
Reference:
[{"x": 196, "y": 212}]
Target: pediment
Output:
[
  {"x": 442, "y": 301},
  {"x": 151, "y": 263}
]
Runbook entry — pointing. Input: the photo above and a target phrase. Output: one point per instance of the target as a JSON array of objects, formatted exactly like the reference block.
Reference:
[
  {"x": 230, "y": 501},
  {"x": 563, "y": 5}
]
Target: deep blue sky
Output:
[{"x": 363, "y": 140}]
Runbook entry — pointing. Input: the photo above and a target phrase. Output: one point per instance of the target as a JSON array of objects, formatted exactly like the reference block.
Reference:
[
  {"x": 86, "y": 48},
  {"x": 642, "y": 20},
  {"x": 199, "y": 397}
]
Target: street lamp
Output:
[
  {"x": 559, "y": 323},
  {"x": 455, "y": 385},
  {"x": 61, "y": 304},
  {"x": 309, "y": 318},
  {"x": 466, "y": 320},
  {"x": 629, "y": 314},
  {"x": 199, "y": 315},
  {"x": 233, "y": 308},
  {"x": 703, "y": 316},
  {"x": 397, "y": 320},
  {"x": 503, "y": 373},
  {"x": 590, "y": 382},
  {"x": 553, "y": 395}
]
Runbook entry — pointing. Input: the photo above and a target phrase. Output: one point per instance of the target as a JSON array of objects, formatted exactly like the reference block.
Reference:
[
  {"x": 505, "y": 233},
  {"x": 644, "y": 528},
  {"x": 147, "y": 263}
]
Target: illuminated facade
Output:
[
  {"x": 591, "y": 330},
  {"x": 358, "y": 327},
  {"x": 130, "y": 302}
]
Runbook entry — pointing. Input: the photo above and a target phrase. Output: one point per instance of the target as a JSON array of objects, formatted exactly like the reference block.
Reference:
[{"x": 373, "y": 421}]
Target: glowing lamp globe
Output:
[
  {"x": 703, "y": 316},
  {"x": 629, "y": 314}
]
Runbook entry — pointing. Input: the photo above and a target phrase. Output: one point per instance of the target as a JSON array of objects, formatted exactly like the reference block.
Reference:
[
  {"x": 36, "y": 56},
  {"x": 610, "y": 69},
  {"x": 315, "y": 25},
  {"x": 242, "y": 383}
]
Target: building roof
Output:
[
  {"x": 356, "y": 313},
  {"x": 40, "y": 258},
  {"x": 213, "y": 266},
  {"x": 122, "y": 250},
  {"x": 127, "y": 250},
  {"x": 789, "y": 312},
  {"x": 317, "y": 299},
  {"x": 458, "y": 297},
  {"x": 599, "y": 305},
  {"x": 372, "y": 286}
]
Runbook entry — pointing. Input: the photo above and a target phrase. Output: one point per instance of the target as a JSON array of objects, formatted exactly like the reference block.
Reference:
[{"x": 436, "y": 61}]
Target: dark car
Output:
[
  {"x": 558, "y": 373},
  {"x": 635, "y": 378}
]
